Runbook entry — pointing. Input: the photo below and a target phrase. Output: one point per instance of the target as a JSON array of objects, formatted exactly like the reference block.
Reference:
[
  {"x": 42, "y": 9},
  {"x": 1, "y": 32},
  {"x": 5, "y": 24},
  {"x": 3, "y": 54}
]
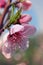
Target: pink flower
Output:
[
  {"x": 26, "y": 5},
  {"x": 17, "y": 39},
  {"x": 23, "y": 63},
  {"x": 2, "y": 3},
  {"x": 25, "y": 18}
]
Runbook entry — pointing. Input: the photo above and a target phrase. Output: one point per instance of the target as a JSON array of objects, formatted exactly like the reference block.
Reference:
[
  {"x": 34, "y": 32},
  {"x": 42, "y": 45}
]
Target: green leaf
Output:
[
  {"x": 12, "y": 12},
  {"x": 13, "y": 8},
  {"x": 15, "y": 17}
]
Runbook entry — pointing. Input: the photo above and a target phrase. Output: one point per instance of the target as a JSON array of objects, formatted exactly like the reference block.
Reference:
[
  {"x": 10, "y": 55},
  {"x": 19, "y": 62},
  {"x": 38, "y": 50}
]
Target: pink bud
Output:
[
  {"x": 2, "y": 3},
  {"x": 25, "y": 18},
  {"x": 26, "y": 5}
]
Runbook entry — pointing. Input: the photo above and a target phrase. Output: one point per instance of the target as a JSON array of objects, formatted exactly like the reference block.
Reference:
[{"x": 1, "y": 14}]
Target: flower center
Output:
[{"x": 14, "y": 38}]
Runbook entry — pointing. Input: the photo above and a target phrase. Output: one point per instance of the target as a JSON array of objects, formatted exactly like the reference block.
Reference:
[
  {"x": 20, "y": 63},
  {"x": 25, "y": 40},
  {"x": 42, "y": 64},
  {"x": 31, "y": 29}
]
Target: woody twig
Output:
[
  {"x": 4, "y": 13},
  {"x": 8, "y": 5}
]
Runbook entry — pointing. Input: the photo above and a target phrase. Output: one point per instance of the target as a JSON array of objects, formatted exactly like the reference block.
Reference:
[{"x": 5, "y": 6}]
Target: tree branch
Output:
[
  {"x": 4, "y": 13},
  {"x": 8, "y": 5}
]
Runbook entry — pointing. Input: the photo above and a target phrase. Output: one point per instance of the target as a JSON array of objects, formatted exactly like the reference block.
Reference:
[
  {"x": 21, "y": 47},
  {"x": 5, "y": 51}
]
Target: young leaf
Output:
[{"x": 15, "y": 17}]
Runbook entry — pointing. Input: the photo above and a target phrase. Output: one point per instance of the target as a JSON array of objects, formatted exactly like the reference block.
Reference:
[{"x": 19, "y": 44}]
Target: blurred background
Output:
[{"x": 34, "y": 54}]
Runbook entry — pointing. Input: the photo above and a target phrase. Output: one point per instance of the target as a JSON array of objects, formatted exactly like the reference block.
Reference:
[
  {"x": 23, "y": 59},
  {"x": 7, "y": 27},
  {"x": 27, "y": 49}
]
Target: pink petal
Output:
[
  {"x": 6, "y": 51},
  {"x": 25, "y": 18},
  {"x": 16, "y": 28},
  {"x": 28, "y": 30},
  {"x": 8, "y": 56},
  {"x": 23, "y": 63},
  {"x": 2, "y": 3},
  {"x": 19, "y": 5},
  {"x": 4, "y": 36},
  {"x": 26, "y": 5},
  {"x": 23, "y": 43}
]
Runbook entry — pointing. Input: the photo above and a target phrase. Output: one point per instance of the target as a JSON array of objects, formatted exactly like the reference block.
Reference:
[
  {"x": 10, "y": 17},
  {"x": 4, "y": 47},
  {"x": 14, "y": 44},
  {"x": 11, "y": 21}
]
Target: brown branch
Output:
[
  {"x": 3, "y": 15},
  {"x": 5, "y": 11}
]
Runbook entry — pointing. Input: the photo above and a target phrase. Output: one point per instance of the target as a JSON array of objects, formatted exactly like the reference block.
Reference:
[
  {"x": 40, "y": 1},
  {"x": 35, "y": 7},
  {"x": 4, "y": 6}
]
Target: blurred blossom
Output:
[
  {"x": 23, "y": 63},
  {"x": 2, "y": 3},
  {"x": 16, "y": 39},
  {"x": 25, "y": 18},
  {"x": 26, "y": 5}
]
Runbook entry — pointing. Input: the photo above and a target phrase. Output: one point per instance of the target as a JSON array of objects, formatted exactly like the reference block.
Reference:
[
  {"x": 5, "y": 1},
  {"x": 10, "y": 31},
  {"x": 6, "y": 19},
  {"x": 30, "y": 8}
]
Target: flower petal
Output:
[
  {"x": 4, "y": 35},
  {"x": 6, "y": 51},
  {"x": 24, "y": 44},
  {"x": 26, "y": 5},
  {"x": 2, "y": 3},
  {"x": 23, "y": 63},
  {"x": 25, "y": 18},
  {"x": 28, "y": 30},
  {"x": 16, "y": 28}
]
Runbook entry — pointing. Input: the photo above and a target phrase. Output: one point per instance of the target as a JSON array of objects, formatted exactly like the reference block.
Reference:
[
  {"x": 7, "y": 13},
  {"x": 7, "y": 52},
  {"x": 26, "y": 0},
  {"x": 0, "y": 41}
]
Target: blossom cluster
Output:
[{"x": 18, "y": 34}]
